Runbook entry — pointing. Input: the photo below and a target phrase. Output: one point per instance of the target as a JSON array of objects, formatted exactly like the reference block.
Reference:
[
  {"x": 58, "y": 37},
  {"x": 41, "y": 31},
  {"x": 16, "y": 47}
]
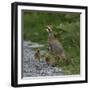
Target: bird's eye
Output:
[{"x": 49, "y": 29}]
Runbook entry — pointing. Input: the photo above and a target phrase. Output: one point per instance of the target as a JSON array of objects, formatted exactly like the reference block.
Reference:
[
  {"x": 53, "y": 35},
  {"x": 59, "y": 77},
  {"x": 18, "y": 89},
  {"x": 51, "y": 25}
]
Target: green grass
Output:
[{"x": 66, "y": 27}]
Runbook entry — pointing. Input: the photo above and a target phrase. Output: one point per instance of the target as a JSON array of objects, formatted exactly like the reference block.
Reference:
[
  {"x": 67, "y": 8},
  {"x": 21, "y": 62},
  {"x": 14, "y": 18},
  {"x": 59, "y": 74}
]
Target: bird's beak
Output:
[{"x": 47, "y": 30}]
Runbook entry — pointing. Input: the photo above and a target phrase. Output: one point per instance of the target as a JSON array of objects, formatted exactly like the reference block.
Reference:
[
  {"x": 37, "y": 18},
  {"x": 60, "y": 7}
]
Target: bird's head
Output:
[
  {"x": 50, "y": 32},
  {"x": 37, "y": 50},
  {"x": 49, "y": 28}
]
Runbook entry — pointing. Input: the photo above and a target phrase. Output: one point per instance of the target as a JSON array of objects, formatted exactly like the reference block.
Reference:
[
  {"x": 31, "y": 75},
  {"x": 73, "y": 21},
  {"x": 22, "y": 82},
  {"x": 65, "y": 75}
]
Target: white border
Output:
[{"x": 82, "y": 48}]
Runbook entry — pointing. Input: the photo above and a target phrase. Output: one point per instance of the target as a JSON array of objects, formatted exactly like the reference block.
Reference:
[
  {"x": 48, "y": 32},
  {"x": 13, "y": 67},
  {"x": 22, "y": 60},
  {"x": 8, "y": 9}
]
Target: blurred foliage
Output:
[{"x": 66, "y": 28}]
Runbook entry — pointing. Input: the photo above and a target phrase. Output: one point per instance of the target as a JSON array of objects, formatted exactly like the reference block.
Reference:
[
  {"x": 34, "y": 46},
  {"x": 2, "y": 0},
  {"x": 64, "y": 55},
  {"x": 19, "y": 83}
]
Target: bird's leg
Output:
[{"x": 39, "y": 59}]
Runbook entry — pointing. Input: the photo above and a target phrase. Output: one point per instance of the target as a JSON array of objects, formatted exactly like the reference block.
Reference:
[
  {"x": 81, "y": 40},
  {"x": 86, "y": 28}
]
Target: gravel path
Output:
[{"x": 32, "y": 68}]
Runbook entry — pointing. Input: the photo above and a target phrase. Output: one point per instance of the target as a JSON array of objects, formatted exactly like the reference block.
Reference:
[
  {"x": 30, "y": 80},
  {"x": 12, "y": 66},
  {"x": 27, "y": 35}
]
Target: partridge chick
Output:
[{"x": 37, "y": 54}]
